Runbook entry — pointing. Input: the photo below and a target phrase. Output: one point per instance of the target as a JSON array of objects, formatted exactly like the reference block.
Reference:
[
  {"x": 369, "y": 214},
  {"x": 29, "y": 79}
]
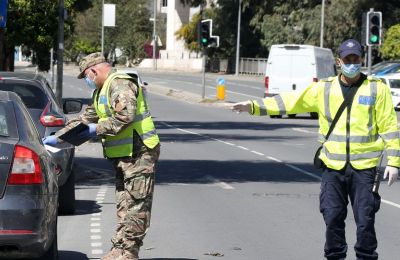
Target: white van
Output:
[
  {"x": 293, "y": 67},
  {"x": 393, "y": 81}
]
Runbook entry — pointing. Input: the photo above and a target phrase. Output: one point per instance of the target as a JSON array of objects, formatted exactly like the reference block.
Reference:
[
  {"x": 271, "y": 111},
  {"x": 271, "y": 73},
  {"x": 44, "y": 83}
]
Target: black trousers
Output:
[{"x": 336, "y": 188}]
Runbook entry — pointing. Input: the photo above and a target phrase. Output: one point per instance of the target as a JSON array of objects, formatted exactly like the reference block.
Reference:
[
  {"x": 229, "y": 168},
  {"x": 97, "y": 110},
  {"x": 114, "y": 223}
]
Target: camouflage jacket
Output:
[{"x": 123, "y": 101}]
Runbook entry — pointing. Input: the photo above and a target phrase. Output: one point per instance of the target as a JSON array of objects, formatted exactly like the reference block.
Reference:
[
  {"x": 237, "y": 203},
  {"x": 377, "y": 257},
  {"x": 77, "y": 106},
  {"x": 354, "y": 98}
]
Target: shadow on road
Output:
[
  {"x": 206, "y": 171},
  {"x": 84, "y": 207},
  {"x": 168, "y": 258},
  {"x": 68, "y": 255},
  {"x": 99, "y": 172}
]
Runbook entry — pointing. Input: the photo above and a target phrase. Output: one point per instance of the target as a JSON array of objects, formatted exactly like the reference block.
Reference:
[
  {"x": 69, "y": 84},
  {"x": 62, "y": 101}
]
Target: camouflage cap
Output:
[{"x": 89, "y": 61}]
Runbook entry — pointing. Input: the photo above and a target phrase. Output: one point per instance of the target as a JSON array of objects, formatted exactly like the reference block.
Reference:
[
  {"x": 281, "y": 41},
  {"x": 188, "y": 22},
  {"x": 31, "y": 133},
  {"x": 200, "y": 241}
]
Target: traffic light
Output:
[
  {"x": 207, "y": 39},
  {"x": 205, "y": 33},
  {"x": 374, "y": 28}
]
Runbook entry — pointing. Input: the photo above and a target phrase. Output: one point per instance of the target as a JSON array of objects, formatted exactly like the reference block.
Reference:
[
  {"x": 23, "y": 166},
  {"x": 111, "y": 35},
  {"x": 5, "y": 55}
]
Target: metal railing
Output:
[{"x": 251, "y": 66}]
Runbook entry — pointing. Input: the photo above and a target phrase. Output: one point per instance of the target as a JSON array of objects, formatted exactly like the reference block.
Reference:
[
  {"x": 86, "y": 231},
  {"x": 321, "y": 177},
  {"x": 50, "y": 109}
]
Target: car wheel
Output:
[
  {"x": 52, "y": 253},
  {"x": 66, "y": 196},
  {"x": 314, "y": 115},
  {"x": 292, "y": 115},
  {"x": 276, "y": 116}
]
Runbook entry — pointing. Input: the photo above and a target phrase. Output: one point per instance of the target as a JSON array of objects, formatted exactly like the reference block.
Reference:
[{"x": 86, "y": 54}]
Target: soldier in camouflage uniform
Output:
[{"x": 134, "y": 173}]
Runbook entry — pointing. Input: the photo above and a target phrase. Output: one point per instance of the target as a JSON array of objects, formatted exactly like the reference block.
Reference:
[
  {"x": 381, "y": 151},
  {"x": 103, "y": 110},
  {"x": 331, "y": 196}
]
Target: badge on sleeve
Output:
[{"x": 103, "y": 99}]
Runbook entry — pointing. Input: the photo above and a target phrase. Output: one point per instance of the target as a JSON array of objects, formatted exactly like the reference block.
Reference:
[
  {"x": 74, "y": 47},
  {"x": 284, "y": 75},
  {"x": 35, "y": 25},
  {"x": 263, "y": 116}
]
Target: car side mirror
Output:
[
  {"x": 72, "y": 106},
  {"x": 145, "y": 83}
]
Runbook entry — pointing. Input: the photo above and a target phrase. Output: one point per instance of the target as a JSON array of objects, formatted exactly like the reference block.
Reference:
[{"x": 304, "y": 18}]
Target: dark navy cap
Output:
[{"x": 348, "y": 47}]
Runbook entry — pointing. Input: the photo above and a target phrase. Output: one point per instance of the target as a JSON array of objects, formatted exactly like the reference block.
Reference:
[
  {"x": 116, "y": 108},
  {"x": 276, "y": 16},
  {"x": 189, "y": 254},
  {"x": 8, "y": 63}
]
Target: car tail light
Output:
[
  {"x": 266, "y": 82},
  {"x": 25, "y": 167},
  {"x": 315, "y": 80},
  {"x": 50, "y": 120}
]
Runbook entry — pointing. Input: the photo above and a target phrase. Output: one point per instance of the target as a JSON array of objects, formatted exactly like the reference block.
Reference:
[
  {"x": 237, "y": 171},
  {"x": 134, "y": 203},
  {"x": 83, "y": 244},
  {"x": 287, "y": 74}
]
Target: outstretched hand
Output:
[
  {"x": 244, "y": 106},
  {"x": 392, "y": 172}
]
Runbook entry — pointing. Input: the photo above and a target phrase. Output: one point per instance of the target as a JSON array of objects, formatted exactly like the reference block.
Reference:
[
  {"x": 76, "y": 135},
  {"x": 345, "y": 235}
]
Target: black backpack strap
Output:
[{"x": 346, "y": 102}]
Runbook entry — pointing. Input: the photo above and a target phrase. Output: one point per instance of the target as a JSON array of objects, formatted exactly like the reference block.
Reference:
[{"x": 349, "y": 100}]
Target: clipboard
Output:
[{"x": 74, "y": 136}]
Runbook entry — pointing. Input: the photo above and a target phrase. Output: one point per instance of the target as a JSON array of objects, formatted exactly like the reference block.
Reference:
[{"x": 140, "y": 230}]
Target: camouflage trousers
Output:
[{"x": 134, "y": 197}]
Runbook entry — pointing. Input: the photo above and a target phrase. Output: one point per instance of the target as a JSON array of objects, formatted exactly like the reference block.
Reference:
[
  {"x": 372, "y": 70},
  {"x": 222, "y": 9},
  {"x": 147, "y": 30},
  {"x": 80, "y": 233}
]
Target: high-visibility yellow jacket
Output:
[
  {"x": 121, "y": 145},
  {"x": 371, "y": 122}
]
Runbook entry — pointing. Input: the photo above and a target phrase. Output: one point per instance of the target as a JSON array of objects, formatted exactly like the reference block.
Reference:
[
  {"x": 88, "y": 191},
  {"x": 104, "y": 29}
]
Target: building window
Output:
[{"x": 164, "y": 3}]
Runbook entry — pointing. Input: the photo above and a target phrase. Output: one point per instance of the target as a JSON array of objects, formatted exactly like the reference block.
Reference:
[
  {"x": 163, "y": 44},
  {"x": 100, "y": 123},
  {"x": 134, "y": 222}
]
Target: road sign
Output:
[{"x": 3, "y": 13}]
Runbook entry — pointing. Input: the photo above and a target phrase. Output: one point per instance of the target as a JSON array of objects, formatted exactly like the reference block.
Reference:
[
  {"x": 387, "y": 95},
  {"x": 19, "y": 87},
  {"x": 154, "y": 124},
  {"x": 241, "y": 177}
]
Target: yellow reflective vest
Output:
[
  {"x": 121, "y": 145},
  {"x": 360, "y": 134}
]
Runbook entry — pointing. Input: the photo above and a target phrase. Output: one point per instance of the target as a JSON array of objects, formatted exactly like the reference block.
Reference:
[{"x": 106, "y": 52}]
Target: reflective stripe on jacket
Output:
[
  {"x": 121, "y": 145},
  {"x": 372, "y": 121}
]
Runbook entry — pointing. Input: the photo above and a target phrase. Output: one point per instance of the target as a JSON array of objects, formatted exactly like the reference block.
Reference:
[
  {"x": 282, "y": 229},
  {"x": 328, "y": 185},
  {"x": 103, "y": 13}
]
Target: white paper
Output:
[{"x": 51, "y": 148}]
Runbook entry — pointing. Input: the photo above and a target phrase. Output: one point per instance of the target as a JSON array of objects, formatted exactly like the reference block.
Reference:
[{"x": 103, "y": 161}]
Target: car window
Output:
[
  {"x": 32, "y": 96},
  {"x": 7, "y": 120},
  {"x": 394, "y": 83}
]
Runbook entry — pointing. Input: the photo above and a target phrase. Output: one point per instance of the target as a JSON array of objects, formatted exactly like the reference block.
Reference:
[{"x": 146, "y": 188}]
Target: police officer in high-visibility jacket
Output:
[
  {"x": 121, "y": 117},
  {"x": 353, "y": 149}
]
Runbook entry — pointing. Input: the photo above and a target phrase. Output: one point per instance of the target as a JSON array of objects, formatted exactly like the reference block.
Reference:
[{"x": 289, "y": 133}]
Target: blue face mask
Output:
[
  {"x": 90, "y": 83},
  {"x": 350, "y": 70}
]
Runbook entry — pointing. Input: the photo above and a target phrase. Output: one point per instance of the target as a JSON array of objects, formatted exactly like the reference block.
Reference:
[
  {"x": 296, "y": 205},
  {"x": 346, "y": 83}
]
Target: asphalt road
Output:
[{"x": 228, "y": 185}]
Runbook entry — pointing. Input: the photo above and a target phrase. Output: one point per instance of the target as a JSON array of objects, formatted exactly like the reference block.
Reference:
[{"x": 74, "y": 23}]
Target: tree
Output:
[
  {"x": 34, "y": 24},
  {"x": 130, "y": 34},
  {"x": 391, "y": 44}
]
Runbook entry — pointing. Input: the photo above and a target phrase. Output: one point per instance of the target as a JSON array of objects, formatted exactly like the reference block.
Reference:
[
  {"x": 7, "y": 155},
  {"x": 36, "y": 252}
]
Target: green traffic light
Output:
[
  {"x": 374, "y": 38},
  {"x": 204, "y": 40}
]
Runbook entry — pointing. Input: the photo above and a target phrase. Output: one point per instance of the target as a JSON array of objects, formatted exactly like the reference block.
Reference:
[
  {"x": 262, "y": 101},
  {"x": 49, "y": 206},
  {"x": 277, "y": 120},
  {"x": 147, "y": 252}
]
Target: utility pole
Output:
[
  {"x": 369, "y": 49},
  {"x": 102, "y": 28},
  {"x": 60, "y": 51},
  {"x": 155, "y": 37},
  {"x": 238, "y": 39},
  {"x": 203, "y": 78},
  {"x": 321, "y": 41}
]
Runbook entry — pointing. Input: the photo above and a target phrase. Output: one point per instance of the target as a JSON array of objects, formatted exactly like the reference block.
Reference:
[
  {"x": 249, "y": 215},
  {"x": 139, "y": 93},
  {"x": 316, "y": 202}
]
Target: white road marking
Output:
[
  {"x": 97, "y": 252},
  {"x": 95, "y": 230},
  {"x": 391, "y": 203},
  {"x": 95, "y": 224},
  {"x": 219, "y": 183},
  {"x": 96, "y": 244},
  {"x": 96, "y": 214},
  {"x": 243, "y": 148},
  {"x": 304, "y": 130},
  {"x": 273, "y": 159},
  {"x": 303, "y": 171},
  {"x": 255, "y": 152},
  {"x": 95, "y": 237},
  {"x": 95, "y": 219}
]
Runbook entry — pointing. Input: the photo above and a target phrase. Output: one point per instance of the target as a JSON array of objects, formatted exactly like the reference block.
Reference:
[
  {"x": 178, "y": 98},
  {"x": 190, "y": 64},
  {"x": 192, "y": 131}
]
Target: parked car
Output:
[
  {"x": 393, "y": 81},
  {"x": 293, "y": 67},
  {"x": 385, "y": 67},
  {"x": 28, "y": 186},
  {"x": 49, "y": 117}
]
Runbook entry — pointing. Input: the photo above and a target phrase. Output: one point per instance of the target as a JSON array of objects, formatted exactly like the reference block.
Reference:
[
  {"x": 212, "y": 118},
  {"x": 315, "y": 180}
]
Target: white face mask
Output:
[
  {"x": 350, "y": 70},
  {"x": 90, "y": 83}
]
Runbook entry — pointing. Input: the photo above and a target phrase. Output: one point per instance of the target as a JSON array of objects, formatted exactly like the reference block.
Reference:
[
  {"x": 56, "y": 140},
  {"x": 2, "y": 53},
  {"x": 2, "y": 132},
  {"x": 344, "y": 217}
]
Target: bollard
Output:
[{"x": 221, "y": 89}]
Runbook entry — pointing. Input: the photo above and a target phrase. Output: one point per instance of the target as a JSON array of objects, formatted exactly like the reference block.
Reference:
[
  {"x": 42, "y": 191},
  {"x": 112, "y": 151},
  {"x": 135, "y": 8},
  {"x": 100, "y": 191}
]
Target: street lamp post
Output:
[{"x": 238, "y": 39}]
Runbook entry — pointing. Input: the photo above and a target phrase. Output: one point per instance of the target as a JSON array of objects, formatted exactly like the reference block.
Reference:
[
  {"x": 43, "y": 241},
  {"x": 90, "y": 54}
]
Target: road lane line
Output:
[
  {"x": 303, "y": 130},
  {"x": 219, "y": 183},
  {"x": 273, "y": 159},
  {"x": 255, "y": 152},
  {"x": 303, "y": 171},
  {"x": 243, "y": 148},
  {"x": 391, "y": 203}
]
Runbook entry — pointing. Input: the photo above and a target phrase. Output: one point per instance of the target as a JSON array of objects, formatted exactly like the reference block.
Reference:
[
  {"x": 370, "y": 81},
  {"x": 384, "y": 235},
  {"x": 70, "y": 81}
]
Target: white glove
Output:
[
  {"x": 244, "y": 106},
  {"x": 393, "y": 172}
]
